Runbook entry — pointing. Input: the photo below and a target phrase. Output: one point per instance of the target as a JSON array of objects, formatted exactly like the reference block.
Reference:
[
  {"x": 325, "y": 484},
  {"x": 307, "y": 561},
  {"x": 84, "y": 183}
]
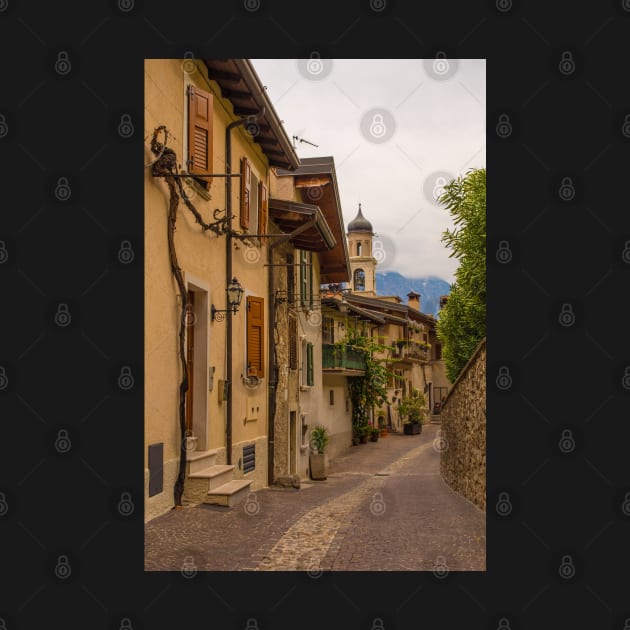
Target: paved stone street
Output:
[{"x": 384, "y": 507}]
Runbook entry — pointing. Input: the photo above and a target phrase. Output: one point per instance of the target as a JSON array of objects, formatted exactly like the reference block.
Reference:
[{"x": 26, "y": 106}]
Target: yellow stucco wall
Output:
[{"x": 202, "y": 258}]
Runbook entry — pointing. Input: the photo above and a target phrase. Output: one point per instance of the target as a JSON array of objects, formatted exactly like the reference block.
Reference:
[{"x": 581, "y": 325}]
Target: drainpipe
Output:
[
  {"x": 273, "y": 379},
  {"x": 228, "y": 273}
]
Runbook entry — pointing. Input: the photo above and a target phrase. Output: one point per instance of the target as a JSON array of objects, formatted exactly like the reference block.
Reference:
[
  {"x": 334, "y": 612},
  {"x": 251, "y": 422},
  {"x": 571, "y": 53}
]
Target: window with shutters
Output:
[
  {"x": 293, "y": 360},
  {"x": 307, "y": 379},
  {"x": 199, "y": 158},
  {"x": 328, "y": 330},
  {"x": 290, "y": 279},
  {"x": 246, "y": 182},
  {"x": 306, "y": 278},
  {"x": 263, "y": 208},
  {"x": 253, "y": 204},
  {"x": 255, "y": 336}
]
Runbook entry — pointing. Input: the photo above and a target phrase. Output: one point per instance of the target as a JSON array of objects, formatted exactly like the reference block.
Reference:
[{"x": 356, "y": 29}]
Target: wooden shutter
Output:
[
  {"x": 309, "y": 364},
  {"x": 303, "y": 278},
  {"x": 263, "y": 210},
  {"x": 246, "y": 182},
  {"x": 292, "y": 342},
  {"x": 199, "y": 131},
  {"x": 255, "y": 336}
]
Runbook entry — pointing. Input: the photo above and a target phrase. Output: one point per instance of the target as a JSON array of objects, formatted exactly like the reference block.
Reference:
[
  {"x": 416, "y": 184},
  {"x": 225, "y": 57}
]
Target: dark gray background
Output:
[{"x": 64, "y": 501}]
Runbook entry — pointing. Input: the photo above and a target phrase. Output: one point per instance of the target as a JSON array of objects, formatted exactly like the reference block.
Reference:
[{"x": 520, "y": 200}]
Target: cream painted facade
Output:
[{"x": 202, "y": 259}]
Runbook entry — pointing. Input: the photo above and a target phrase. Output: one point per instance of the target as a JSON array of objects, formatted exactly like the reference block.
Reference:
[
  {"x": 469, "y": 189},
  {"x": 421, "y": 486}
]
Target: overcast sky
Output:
[{"x": 397, "y": 129}]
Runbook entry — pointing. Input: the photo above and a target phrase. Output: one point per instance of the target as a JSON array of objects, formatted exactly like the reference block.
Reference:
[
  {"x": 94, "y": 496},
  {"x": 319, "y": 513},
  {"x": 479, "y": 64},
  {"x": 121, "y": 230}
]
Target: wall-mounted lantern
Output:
[{"x": 234, "y": 296}]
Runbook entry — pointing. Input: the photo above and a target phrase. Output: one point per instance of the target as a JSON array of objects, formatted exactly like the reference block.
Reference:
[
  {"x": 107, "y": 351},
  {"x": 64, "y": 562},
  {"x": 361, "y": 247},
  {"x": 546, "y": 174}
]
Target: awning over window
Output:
[{"x": 290, "y": 216}]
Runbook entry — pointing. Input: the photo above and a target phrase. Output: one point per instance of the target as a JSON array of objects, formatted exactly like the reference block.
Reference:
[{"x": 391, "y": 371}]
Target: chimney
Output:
[
  {"x": 414, "y": 300},
  {"x": 443, "y": 300}
]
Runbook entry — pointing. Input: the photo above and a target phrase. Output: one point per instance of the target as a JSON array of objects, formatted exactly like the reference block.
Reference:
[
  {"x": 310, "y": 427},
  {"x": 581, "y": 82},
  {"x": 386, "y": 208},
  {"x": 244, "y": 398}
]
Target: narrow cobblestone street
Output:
[{"x": 384, "y": 507}]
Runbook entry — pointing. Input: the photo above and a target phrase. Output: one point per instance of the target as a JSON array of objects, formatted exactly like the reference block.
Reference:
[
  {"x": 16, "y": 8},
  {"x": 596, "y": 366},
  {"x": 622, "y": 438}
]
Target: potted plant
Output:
[
  {"x": 412, "y": 410},
  {"x": 362, "y": 433},
  {"x": 381, "y": 425},
  {"x": 374, "y": 434},
  {"x": 318, "y": 459}
]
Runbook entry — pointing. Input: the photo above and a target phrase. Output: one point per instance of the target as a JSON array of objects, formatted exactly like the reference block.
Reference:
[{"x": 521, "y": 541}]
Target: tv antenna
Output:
[{"x": 302, "y": 140}]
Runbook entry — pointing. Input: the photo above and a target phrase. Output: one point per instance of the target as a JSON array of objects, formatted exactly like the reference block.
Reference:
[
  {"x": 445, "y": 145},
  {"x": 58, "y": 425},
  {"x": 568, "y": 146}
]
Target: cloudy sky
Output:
[{"x": 398, "y": 130}]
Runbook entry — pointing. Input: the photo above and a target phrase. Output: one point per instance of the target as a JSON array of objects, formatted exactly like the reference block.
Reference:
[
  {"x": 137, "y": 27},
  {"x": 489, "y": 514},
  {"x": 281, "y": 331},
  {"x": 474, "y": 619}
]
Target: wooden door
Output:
[{"x": 190, "y": 359}]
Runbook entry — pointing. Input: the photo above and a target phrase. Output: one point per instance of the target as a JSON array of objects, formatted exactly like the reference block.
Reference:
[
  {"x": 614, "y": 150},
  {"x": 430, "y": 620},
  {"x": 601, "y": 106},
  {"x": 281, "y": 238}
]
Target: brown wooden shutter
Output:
[
  {"x": 246, "y": 182},
  {"x": 255, "y": 336},
  {"x": 199, "y": 131},
  {"x": 263, "y": 201}
]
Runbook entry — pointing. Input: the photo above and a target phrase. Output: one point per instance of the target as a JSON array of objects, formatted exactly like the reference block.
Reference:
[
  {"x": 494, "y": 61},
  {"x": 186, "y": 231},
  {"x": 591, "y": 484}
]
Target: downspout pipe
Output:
[{"x": 228, "y": 274}]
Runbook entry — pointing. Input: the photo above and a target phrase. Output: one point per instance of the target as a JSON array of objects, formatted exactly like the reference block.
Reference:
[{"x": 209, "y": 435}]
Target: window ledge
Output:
[{"x": 305, "y": 388}]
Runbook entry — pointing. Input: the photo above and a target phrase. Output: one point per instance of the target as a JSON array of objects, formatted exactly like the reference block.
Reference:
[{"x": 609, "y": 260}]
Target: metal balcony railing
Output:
[{"x": 342, "y": 357}]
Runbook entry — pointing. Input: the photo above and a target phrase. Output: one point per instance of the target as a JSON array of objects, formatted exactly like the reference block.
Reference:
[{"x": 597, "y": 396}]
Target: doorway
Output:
[{"x": 190, "y": 360}]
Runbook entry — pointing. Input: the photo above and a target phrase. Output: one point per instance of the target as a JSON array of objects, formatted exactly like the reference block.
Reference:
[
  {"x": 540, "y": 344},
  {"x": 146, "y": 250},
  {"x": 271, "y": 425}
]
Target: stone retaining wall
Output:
[{"x": 463, "y": 420}]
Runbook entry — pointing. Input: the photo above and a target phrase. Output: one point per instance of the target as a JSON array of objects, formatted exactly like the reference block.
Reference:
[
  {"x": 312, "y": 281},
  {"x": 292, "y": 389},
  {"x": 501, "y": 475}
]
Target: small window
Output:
[
  {"x": 255, "y": 336},
  {"x": 331, "y": 396},
  {"x": 307, "y": 365},
  {"x": 328, "y": 330},
  {"x": 290, "y": 278},
  {"x": 199, "y": 158},
  {"x": 292, "y": 342},
  {"x": 306, "y": 278},
  {"x": 358, "y": 249},
  {"x": 359, "y": 280}
]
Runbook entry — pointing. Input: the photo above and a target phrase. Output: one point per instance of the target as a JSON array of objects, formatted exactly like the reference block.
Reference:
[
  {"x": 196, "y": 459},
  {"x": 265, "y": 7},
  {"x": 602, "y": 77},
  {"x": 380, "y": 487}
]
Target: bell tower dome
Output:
[{"x": 362, "y": 263}]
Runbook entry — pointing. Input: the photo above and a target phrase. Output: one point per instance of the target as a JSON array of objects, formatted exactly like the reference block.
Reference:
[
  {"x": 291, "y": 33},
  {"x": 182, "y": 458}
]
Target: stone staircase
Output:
[
  {"x": 435, "y": 418},
  {"x": 209, "y": 482}
]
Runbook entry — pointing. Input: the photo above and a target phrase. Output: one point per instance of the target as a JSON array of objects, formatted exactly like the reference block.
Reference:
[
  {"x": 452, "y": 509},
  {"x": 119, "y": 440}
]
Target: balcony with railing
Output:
[
  {"x": 343, "y": 359},
  {"x": 417, "y": 351}
]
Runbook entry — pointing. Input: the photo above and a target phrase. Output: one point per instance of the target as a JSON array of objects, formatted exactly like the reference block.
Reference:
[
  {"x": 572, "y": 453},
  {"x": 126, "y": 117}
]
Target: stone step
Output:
[
  {"x": 229, "y": 494},
  {"x": 198, "y": 460},
  {"x": 216, "y": 475}
]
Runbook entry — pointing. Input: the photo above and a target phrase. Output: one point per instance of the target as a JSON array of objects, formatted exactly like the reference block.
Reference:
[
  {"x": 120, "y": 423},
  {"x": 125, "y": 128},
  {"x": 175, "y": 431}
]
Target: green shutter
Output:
[
  {"x": 309, "y": 364},
  {"x": 310, "y": 279}
]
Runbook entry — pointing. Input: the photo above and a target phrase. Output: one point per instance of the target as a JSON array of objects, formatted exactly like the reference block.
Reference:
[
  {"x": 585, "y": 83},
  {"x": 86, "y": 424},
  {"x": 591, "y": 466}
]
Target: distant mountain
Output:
[{"x": 430, "y": 288}]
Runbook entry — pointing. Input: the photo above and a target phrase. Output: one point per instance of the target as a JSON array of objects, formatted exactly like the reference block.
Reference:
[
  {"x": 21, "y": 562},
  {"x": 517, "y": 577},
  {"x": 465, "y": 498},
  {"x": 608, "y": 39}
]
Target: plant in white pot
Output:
[{"x": 318, "y": 460}]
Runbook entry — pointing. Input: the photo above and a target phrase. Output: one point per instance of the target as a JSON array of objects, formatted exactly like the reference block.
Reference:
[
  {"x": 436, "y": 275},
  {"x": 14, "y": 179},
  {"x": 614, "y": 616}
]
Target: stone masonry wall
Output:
[{"x": 463, "y": 419}]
